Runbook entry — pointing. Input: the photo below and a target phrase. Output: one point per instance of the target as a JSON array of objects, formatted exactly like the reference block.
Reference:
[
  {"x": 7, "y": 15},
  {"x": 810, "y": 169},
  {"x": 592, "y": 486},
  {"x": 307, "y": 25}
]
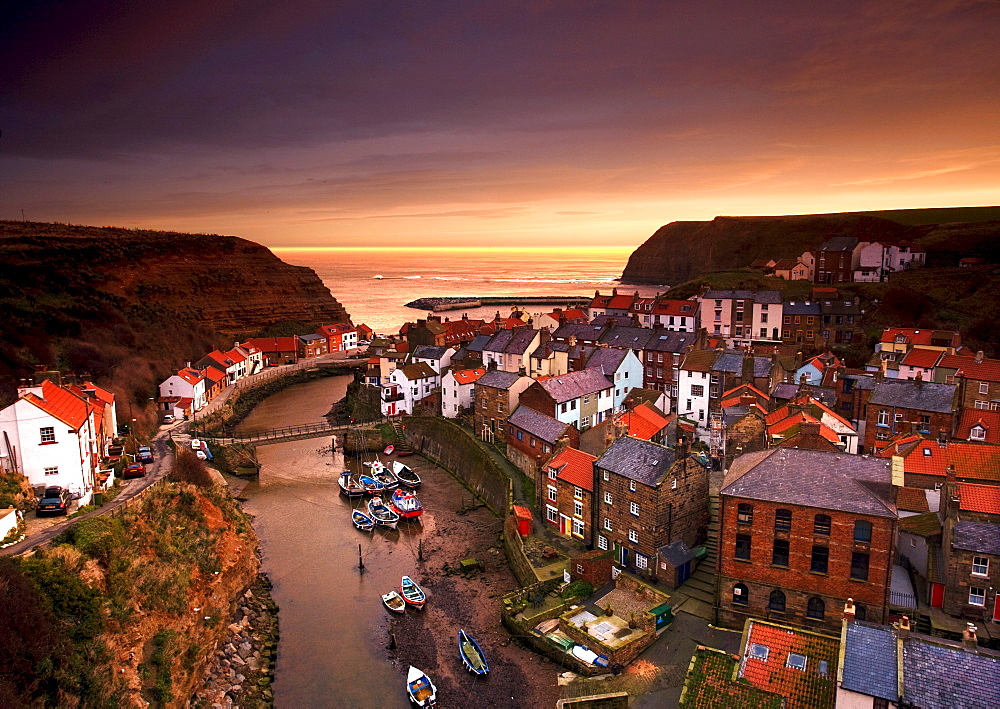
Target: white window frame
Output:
[
  {"x": 553, "y": 494},
  {"x": 977, "y": 433},
  {"x": 608, "y": 499},
  {"x": 577, "y": 493},
  {"x": 633, "y": 508},
  {"x": 47, "y": 434},
  {"x": 641, "y": 562},
  {"x": 977, "y": 596},
  {"x": 602, "y": 542},
  {"x": 607, "y": 524},
  {"x": 980, "y": 564},
  {"x": 578, "y": 508},
  {"x": 551, "y": 514},
  {"x": 52, "y": 471},
  {"x": 631, "y": 485},
  {"x": 984, "y": 387},
  {"x": 607, "y": 476},
  {"x": 633, "y": 536},
  {"x": 579, "y": 528}
]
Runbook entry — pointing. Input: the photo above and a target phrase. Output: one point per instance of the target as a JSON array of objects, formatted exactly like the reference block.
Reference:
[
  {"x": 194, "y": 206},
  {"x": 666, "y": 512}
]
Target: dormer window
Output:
[{"x": 978, "y": 433}]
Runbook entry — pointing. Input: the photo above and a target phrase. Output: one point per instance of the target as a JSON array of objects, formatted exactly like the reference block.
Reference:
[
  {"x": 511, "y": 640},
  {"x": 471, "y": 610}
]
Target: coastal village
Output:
[{"x": 712, "y": 457}]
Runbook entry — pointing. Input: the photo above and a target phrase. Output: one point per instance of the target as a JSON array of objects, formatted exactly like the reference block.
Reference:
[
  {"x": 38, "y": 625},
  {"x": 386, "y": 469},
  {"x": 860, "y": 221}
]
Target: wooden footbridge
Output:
[{"x": 275, "y": 435}]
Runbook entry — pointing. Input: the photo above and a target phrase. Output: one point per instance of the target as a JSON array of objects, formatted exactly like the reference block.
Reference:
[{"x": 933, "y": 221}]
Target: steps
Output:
[
  {"x": 700, "y": 586},
  {"x": 401, "y": 445}
]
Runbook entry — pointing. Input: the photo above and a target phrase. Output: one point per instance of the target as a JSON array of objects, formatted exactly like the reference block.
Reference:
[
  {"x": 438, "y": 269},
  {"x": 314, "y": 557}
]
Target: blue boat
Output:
[
  {"x": 362, "y": 521},
  {"x": 472, "y": 655},
  {"x": 370, "y": 484}
]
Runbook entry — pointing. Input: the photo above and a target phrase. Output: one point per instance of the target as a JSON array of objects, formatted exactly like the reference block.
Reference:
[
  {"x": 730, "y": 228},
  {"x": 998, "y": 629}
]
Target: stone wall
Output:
[{"x": 513, "y": 548}]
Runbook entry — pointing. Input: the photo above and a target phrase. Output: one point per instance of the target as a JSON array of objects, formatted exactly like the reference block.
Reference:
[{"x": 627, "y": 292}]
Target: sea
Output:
[{"x": 374, "y": 284}]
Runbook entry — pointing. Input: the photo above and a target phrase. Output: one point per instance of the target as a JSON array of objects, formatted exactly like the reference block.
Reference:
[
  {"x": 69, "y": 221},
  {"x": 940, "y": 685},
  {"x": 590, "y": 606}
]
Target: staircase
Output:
[
  {"x": 401, "y": 444},
  {"x": 697, "y": 595}
]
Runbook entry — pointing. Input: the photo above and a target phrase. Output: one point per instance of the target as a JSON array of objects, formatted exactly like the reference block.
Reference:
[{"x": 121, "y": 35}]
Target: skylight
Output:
[
  {"x": 796, "y": 661},
  {"x": 758, "y": 651}
]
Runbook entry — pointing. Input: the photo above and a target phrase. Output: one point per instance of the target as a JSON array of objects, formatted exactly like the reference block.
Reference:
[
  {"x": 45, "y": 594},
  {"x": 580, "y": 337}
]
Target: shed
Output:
[
  {"x": 674, "y": 564},
  {"x": 524, "y": 520}
]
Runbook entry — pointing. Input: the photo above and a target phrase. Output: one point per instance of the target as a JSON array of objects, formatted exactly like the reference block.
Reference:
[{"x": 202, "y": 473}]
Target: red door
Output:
[
  {"x": 996, "y": 608},
  {"x": 937, "y": 595}
]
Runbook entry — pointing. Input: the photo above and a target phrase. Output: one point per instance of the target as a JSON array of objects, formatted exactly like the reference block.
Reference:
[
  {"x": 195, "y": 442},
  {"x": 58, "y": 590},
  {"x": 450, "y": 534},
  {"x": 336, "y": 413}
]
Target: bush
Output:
[
  {"x": 578, "y": 589},
  {"x": 189, "y": 469}
]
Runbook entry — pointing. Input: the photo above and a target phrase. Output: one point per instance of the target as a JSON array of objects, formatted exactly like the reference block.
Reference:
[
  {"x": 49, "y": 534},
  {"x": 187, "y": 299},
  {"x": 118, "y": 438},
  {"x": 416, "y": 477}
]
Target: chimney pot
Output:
[
  {"x": 849, "y": 610},
  {"x": 970, "y": 640}
]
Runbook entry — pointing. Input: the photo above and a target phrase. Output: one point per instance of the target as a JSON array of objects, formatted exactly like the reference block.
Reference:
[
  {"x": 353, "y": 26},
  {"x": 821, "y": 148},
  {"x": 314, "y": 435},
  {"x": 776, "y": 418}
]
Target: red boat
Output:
[{"x": 405, "y": 504}]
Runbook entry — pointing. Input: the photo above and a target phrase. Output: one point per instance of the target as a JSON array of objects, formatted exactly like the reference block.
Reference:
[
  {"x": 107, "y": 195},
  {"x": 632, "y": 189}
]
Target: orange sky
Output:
[{"x": 521, "y": 123}]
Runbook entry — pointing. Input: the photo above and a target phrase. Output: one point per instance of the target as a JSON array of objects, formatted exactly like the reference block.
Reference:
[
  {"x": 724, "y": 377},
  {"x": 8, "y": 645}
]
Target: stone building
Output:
[
  {"x": 532, "y": 438},
  {"x": 903, "y": 406},
  {"x": 568, "y": 486},
  {"x": 801, "y": 532},
  {"x": 495, "y": 395}
]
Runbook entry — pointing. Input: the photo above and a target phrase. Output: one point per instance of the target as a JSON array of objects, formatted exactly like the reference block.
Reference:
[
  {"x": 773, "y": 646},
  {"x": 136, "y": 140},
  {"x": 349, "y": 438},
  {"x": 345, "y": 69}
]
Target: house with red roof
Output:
[
  {"x": 340, "y": 337},
  {"x": 568, "y": 480},
  {"x": 819, "y": 371},
  {"x": 50, "y": 435},
  {"x": 919, "y": 361},
  {"x": 614, "y": 304},
  {"x": 806, "y": 417},
  {"x": 457, "y": 388},
  {"x": 559, "y": 316},
  {"x": 896, "y": 342},
  {"x": 979, "y": 426},
  {"x": 675, "y": 315},
  {"x": 927, "y": 462},
  {"x": 791, "y": 269},
  {"x": 187, "y": 383},
  {"x": 977, "y": 377},
  {"x": 278, "y": 350}
]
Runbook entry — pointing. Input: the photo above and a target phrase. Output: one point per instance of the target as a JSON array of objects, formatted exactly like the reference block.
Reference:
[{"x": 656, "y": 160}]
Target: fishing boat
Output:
[
  {"x": 405, "y": 475},
  {"x": 370, "y": 484},
  {"x": 412, "y": 593},
  {"x": 385, "y": 476},
  {"x": 405, "y": 504},
  {"x": 362, "y": 521},
  {"x": 422, "y": 691},
  {"x": 381, "y": 514},
  {"x": 350, "y": 486},
  {"x": 472, "y": 655},
  {"x": 389, "y": 449},
  {"x": 394, "y": 602}
]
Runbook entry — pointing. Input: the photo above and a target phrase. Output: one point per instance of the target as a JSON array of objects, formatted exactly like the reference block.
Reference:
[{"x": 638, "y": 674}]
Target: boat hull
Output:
[
  {"x": 362, "y": 521},
  {"x": 350, "y": 487},
  {"x": 412, "y": 593},
  {"x": 420, "y": 689},
  {"x": 472, "y": 655},
  {"x": 406, "y": 505},
  {"x": 381, "y": 514},
  {"x": 394, "y": 602}
]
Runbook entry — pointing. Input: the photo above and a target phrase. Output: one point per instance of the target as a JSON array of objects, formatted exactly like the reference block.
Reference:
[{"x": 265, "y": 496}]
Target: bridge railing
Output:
[{"x": 270, "y": 434}]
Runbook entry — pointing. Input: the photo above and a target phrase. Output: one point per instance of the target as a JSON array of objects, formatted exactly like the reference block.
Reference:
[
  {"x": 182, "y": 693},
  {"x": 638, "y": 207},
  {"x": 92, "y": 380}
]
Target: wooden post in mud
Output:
[
  {"x": 361, "y": 560},
  {"x": 392, "y": 638},
  {"x": 420, "y": 549}
]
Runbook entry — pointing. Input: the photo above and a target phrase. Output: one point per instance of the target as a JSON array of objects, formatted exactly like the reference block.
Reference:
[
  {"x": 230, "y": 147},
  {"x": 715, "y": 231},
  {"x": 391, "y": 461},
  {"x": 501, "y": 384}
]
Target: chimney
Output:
[
  {"x": 572, "y": 340},
  {"x": 682, "y": 447},
  {"x": 903, "y": 630},
  {"x": 809, "y": 428},
  {"x": 979, "y": 357},
  {"x": 849, "y": 610},
  {"x": 970, "y": 642},
  {"x": 919, "y": 380},
  {"x": 950, "y": 500}
]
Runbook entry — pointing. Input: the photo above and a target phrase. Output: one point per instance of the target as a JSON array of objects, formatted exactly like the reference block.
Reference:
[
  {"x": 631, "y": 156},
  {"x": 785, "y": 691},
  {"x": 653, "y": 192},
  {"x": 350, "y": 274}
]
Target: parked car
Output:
[
  {"x": 200, "y": 454},
  {"x": 195, "y": 444},
  {"x": 55, "y": 501},
  {"x": 144, "y": 454},
  {"x": 134, "y": 470},
  {"x": 168, "y": 418},
  {"x": 115, "y": 452}
]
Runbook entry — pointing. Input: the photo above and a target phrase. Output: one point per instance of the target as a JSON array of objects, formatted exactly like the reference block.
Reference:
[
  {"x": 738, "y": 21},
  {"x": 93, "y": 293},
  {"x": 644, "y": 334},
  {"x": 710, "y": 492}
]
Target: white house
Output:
[
  {"x": 188, "y": 383},
  {"x": 437, "y": 358},
  {"x": 408, "y": 385},
  {"x": 457, "y": 389},
  {"x": 620, "y": 366},
  {"x": 49, "y": 435},
  {"x": 694, "y": 387}
]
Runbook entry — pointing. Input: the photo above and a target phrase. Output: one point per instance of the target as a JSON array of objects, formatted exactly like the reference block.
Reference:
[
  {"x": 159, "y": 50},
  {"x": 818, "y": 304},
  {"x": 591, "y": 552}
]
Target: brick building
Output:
[
  {"x": 495, "y": 398},
  {"x": 647, "y": 496},
  {"x": 903, "y": 406},
  {"x": 661, "y": 359},
  {"x": 836, "y": 259},
  {"x": 971, "y": 546},
  {"x": 533, "y": 437},
  {"x": 583, "y": 398},
  {"x": 801, "y": 532},
  {"x": 569, "y": 493},
  {"x": 977, "y": 377}
]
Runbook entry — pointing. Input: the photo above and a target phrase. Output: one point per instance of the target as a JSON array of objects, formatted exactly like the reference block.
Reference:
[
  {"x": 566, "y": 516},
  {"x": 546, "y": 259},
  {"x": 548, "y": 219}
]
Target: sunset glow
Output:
[{"x": 503, "y": 124}]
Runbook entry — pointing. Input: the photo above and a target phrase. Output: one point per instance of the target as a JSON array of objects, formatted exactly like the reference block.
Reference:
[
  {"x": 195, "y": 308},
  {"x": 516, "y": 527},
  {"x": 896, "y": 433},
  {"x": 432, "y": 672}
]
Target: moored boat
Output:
[
  {"x": 412, "y": 593},
  {"x": 350, "y": 486},
  {"x": 405, "y": 475},
  {"x": 471, "y": 654},
  {"x": 362, "y": 521},
  {"x": 422, "y": 691},
  {"x": 394, "y": 602},
  {"x": 370, "y": 484},
  {"x": 385, "y": 476},
  {"x": 405, "y": 504},
  {"x": 381, "y": 514},
  {"x": 389, "y": 449}
]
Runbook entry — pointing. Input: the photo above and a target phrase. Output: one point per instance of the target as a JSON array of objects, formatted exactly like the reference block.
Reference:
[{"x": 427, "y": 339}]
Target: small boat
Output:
[
  {"x": 370, "y": 484},
  {"x": 412, "y": 593},
  {"x": 389, "y": 449},
  {"x": 385, "y": 476},
  {"x": 381, "y": 514},
  {"x": 405, "y": 475},
  {"x": 394, "y": 602},
  {"x": 405, "y": 504},
  {"x": 472, "y": 655},
  {"x": 375, "y": 465},
  {"x": 403, "y": 452},
  {"x": 422, "y": 691},
  {"x": 362, "y": 521},
  {"x": 350, "y": 486}
]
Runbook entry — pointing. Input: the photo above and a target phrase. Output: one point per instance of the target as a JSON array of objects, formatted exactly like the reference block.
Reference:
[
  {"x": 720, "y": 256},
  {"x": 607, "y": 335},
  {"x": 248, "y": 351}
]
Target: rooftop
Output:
[
  {"x": 537, "y": 424},
  {"x": 797, "y": 664},
  {"x": 637, "y": 460}
]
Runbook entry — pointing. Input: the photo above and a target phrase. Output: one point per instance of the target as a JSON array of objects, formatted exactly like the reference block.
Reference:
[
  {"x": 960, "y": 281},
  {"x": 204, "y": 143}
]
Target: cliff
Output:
[
  {"x": 127, "y": 307},
  {"x": 681, "y": 251}
]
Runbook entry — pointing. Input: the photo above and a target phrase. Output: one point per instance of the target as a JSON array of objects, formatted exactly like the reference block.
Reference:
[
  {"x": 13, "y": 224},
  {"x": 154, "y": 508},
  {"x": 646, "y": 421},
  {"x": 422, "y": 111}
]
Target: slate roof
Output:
[
  {"x": 612, "y": 319},
  {"x": 637, "y": 460},
  {"x": 607, "y": 359},
  {"x": 537, "y": 424},
  {"x": 728, "y": 362},
  {"x": 633, "y": 338},
  {"x": 478, "y": 343},
  {"x": 676, "y": 554},
  {"x": 581, "y": 331},
  {"x": 785, "y": 390},
  {"x": 761, "y": 366},
  {"x": 870, "y": 660},
  {"x": 430, "y": 352},
  {"x": 498, "y": 379},
  {"x": 982, "y": 537},
  {"x": 566, "y": 387},
  {"x": 831, "y": 481},
  {"x": 757, "y": 296},
  {"x": 907, "y": 394},
  {"x": 839, "y": 243},
  {"x": 940, "y": 675},
  {"x": 511, "y": 341},
  {"x": 699, "y": 360},
  {"x": 669, "y": 341},
  {"x": 798, "y": 307}
]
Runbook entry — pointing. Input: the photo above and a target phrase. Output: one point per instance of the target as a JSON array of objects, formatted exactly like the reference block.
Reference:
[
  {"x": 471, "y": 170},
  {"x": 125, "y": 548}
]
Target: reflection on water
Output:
[{"x": 333, "y": 625}]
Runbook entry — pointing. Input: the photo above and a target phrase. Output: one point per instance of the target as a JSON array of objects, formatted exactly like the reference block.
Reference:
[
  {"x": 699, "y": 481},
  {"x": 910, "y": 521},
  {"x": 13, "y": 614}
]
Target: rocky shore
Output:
[{"x": 241, "y": 673}]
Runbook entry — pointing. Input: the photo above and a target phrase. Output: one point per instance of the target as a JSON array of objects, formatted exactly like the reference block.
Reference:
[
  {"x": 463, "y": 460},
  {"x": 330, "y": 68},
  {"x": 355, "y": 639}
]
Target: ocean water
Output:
[{"x": 374, "y": 284}]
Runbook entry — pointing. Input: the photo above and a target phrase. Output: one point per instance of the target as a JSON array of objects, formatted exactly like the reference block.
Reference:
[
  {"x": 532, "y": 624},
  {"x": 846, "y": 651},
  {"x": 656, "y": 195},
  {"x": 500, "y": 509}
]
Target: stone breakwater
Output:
[
  {"x": 242, "y": 670},
  {"x": 458, "y": 302}
]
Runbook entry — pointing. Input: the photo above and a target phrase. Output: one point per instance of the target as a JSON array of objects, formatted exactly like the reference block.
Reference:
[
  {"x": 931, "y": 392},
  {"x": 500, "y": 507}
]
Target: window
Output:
[
  {"x": 796, "y": 661},
  {"x": 763, "y": 332},
  {"x": 783, "y": 520},
  {"x": 633, "y": 536},
  {"x": 606, "y": 476},
  {"x": 820, "y": 559},
  {"x": 763, "y": 318},
  {"x": 978, "y": 433},
  {"x": 607, "y": 524},
  {"x": 552, "y": 474},
  {"x": 862, "y": 532},
  {"x": 984, "y": 387},
  {"x": 578, "y": 493},
  {"x": 980, "y": 404},
  {"x": 551, "y": 514},
  {"x": 578, "y": 527},
  {"x": 698, "y": 390},
  {"x": 821, "y": 525},
  {"x": 743, "y": 547},
  {"x": 631, "y": 485},
  {"x": 641, "y": 562},
  {"x": 532, "y": 441},
  {"x": 634, "y": 509},
  {"x": 980, "y": 564},
  {"x": 52, "y": 471},
  {"x": 48, "y": 434},
  {"x": 578, "y": 508},
  {"x": 520, "y": 435},
  {"x": 776, "y": 602},
  {"x": 860, "y": 612},
  {"x": 673, "y": 484},
  {"x": 883, "y": 418},
  {"x": 816, "y": 608},
  {"x": 562, "y": 408},
  {"x": 977, "y": 596},
  {"x": 859, "y": 566},
  {"x": 602, "y": 541},
  {"x": 586, "y": 398},
  {"x": 552, "y": 493},
  {"x": 744, "y": 513},
  {"x": 607, "y": 498},
  {"x": 585, "y": 422},
  {"x": 787, "y": 320},
  {"x": 779, "y": 556},
  {"x": 741, "y": 597}
]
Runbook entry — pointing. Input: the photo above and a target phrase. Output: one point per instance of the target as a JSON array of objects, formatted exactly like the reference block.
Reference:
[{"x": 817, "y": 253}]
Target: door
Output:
[
  {"x": 937, "y": 595},
  {"x": 996, "y": 608},
  {"x": 564, "y": 525},
  {"x": 623, "y": 556},
  {"x": 683, "y": 573}
]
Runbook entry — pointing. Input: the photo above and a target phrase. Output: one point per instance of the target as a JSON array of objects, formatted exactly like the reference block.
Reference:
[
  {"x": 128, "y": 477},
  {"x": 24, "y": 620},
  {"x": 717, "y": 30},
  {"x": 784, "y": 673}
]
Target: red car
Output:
[{"x": 134, "y": 470}]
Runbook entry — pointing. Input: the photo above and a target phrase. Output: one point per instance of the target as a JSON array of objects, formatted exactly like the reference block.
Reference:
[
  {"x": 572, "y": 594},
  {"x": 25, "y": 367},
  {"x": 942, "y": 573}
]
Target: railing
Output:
[
  {"x": 274, "y": 433},
  {"x": 902, "y": 600}
]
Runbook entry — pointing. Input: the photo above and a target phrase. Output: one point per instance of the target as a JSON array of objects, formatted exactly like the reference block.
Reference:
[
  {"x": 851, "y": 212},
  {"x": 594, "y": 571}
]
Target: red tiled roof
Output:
[
  {"x": 971, "y": 460},
  {"x": 684, "y": 308},
  {"x": 912, "y": 499},
  {"x": 912, "y": 336},
  {"x": 985, "y": 370},
  {"x": 621, "y": 301},
  {"x": 61, "y": 404},
  {"x": 919, "y": 357},
  {"x": 578, "y": 470},
  {"x": 191, "y": 376},
  {"x": 979, "y": 498},
  {"x": 235, "y": 355},
  {"x": 102, "y": 394},
  {"x": 988, "y": 420},
  {"x": 643, "y": 421},
  {"x": 213, "y": 375},
  {"x": 751, "y": 387},
  {"x": 819, "y": 363},
  {"x": 801, "y": 688},
  {"x": 468, "y": 376}
]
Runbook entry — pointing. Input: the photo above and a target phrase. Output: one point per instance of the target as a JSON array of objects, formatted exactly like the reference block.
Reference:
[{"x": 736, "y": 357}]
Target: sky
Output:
[{"x": 491, "y": 123}]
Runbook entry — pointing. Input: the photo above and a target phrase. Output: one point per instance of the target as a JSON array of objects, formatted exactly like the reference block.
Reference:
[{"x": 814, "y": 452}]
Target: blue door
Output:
[{"x": 683, "y": 573}]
